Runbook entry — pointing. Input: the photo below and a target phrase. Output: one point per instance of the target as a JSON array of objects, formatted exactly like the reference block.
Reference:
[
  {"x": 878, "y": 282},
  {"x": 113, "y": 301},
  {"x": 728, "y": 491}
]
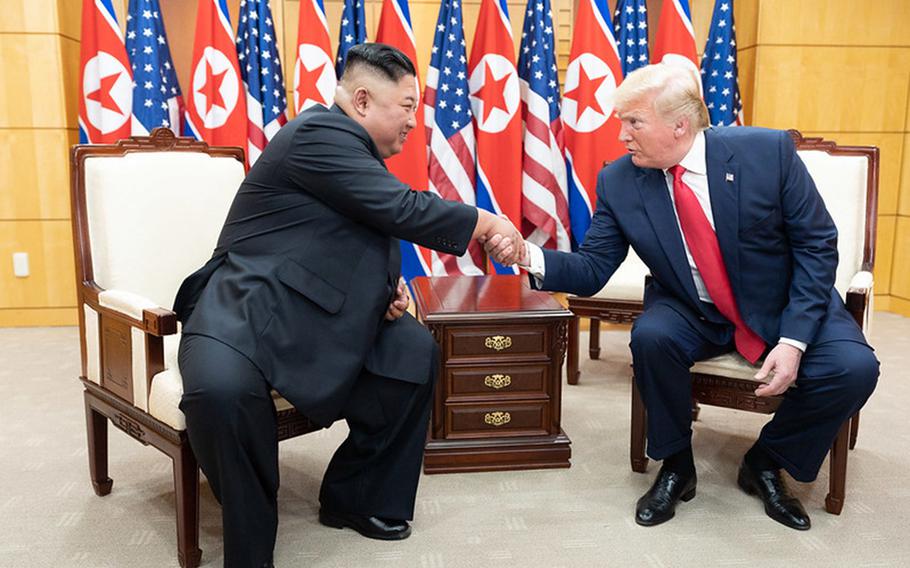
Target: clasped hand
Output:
[{"x": 504, "y": 243}]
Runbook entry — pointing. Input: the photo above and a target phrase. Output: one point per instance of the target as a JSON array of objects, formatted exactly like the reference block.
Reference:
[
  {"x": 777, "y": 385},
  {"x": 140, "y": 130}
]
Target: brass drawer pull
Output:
[
  {"x": 497, "y": 381},
  {"x": 497, "y": 418},
  {"x": 498, "y": 342}
]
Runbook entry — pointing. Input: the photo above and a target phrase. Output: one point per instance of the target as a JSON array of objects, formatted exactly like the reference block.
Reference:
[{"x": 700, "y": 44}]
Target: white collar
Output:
[{"x": 694, "y": 161}]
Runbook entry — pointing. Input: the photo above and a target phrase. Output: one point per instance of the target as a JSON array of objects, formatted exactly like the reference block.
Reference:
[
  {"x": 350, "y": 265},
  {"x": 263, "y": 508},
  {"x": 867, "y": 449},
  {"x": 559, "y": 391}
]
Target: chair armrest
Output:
[
  {"x": 859, "y": 299},
  {"x": 144, "y": 312}
]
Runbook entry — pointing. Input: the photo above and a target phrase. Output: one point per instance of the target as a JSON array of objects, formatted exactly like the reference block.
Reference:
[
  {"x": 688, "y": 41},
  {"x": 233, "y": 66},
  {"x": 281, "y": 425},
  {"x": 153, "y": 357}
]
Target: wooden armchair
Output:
[
  {"x": 847, "y": 178},
  {"x": 146, "y": 212}
]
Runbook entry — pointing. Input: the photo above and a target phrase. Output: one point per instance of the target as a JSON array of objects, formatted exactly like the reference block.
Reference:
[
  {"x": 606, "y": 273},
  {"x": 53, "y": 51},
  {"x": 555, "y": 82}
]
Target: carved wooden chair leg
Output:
[
  {"x": 639, "y": 432},
  {"x": 834, "y": 502},
  {"x": 854, "y": 429},
  {"x": 572, "y": 372},
  {"x": 594, "y": 339},
  {"x": 96, "y": 424},
  {"x": 186, "y": 483}
]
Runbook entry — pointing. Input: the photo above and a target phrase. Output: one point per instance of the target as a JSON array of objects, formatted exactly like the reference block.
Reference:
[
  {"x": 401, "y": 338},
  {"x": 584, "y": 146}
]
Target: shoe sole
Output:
[
  {"x": 337, "y": 523},
  {"x": 685, "y": 498}
]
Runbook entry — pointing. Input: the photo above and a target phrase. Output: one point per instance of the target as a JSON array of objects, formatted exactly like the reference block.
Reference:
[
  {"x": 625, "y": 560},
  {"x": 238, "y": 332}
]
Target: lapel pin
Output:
[{"x": 729, "y": 177}]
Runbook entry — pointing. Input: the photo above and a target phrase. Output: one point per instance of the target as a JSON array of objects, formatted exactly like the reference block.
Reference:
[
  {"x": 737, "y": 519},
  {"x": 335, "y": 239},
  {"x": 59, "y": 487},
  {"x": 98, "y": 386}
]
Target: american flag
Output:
[
  {"x": 447, "y": 113},
  {"x": 630, "y": 21},
  {"x": 157, "y": 100},
  {"x": 260, "y": 69},
  {"x": 544, "y": 189},
  {"x": 353, "y": 31},
  {"x": 719, "y": 73}
]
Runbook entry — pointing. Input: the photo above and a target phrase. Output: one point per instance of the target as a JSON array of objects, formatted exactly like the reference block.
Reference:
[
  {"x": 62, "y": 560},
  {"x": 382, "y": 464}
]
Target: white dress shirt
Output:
[{"x": 696, "y": 177}]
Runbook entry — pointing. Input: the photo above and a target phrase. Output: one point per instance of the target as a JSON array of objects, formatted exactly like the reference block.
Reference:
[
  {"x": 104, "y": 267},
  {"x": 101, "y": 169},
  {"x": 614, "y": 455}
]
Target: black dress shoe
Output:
[
  {"x": 658, "y": 505},
  {"x": 371, "y": 527},
  {"x": 770, "y": 488}
]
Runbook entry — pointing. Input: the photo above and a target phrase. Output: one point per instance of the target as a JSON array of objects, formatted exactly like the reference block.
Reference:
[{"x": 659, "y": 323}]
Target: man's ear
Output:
[
  {"x": 681, "y": 127},
  {"x": 361, "y": 100}
]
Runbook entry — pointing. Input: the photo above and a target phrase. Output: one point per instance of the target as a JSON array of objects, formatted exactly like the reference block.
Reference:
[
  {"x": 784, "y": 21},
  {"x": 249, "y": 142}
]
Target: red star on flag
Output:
[
  {"x": 308, "y": 88},
  {"x": 583, "y": 93},
  {"x": 492, "y": 93},
  {"x": 103, "y": 93},
  {"x": 212, "y": 85}
]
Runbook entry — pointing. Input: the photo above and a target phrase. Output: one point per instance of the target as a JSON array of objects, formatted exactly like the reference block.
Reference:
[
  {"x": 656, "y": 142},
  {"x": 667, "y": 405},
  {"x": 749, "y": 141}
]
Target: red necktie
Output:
[{"x": 702, "y": 242}]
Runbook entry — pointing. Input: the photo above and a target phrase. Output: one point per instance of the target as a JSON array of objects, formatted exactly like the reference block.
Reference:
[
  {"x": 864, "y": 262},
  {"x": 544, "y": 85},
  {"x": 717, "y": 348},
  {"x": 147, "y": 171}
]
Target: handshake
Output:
[{"x": 500, "y": 238}]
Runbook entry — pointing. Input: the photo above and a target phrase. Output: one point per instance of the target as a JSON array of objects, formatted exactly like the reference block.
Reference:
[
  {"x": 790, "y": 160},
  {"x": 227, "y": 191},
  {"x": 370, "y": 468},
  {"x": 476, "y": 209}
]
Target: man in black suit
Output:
[{"x": 303, "y": 296}]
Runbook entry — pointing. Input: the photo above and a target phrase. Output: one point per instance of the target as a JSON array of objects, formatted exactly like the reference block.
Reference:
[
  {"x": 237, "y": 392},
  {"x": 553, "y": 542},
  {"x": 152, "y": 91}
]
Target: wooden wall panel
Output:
[
  {"x": 900, "y": 273},
  {"x": 50, "y": 250},
  {"x": 746, "y": 62},
  {"x": 884, "y": 254},
  {"x": 903, "y": 199},
  {"x": 31, "y": 16},
  {"x": 31, "y": 96},
  {"x": 38, "y": 317},
  {"x": 69, "y": 19},
  {"x": 34, "y": 173},
  {"x": 838, "y": 22},
  {"x": 831, "y": 88}
]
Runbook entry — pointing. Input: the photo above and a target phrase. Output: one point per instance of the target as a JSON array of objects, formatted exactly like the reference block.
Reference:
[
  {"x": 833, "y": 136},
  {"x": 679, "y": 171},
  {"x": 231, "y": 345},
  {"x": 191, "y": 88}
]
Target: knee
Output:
[
  {"x": 650, "y": 337},
  {"x": 860, "y": 370}
]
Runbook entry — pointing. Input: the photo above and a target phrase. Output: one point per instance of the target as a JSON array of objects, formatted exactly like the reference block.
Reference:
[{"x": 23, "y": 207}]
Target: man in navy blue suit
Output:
[{"x": 743, "y": 255}]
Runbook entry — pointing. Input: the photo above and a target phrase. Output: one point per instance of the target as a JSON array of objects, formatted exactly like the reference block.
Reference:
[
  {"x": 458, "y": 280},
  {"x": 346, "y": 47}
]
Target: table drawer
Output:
[
  {"x": 496, "y": 342},
  {"x": 529, "y": 418},
  {"x": 492, "y": 381}
]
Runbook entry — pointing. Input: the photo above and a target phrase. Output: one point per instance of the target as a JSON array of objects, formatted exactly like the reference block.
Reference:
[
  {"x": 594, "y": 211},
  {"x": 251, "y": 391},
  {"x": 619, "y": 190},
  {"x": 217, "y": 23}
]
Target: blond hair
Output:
[{"x": 677, "y": 93}]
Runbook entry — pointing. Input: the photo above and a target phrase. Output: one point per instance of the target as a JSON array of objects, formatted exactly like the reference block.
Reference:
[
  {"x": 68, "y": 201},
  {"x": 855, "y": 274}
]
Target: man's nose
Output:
[{"x": 624, "y": 134}]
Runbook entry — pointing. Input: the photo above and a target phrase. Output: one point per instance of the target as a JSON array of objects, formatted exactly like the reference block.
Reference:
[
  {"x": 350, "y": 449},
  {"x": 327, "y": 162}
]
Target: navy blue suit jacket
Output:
[{"x": 776, "y": 237}]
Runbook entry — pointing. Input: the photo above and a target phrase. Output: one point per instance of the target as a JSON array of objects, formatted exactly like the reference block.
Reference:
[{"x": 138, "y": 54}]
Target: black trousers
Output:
[
  {"x": 835, "y": 379},
  {"x": 232, "y": 428}
]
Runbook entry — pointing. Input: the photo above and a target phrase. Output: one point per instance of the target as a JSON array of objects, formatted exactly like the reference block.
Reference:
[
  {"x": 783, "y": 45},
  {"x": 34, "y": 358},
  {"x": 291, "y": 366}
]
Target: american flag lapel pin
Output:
[{"x": 729, "y": 177}]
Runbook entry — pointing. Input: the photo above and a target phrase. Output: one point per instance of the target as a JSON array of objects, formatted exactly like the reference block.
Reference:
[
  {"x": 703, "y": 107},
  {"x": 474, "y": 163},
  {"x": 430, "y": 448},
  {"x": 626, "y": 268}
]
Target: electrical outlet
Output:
[{"x": 20, "y": 264}]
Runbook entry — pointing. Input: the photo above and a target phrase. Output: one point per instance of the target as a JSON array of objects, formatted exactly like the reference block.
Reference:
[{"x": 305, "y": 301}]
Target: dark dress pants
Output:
[
  {"x": 232, "y": 428},
  {"x": 835, "y": 379}
]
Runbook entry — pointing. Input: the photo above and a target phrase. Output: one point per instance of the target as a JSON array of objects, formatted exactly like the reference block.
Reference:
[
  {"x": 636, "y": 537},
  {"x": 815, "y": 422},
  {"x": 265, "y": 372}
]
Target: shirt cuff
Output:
[
  {"x": 535, "y": 262},
  {"x": 798, "y": 344}
]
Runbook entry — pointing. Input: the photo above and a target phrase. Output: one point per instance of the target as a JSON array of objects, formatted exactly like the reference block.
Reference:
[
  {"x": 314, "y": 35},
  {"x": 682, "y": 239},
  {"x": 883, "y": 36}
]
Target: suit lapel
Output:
[
  {"x": 652, "y": 188},
  {"x": 723, "y": 186}
]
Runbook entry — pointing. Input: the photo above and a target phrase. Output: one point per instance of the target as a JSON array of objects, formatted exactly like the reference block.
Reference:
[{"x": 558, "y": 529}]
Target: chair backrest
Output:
[
  {"x": 847, "y": 179},
  {"x": 150, "y": 210}
]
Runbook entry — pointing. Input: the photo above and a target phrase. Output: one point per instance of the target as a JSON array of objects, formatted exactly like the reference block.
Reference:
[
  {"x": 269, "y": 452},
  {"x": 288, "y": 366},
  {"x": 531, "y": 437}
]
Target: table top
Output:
[{"x": 482, "y": 298}]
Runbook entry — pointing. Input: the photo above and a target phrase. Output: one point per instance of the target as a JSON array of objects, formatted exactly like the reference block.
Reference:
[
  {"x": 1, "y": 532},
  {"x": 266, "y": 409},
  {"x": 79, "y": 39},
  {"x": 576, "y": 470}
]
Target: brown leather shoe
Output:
[{"x": 768, "y": 485}]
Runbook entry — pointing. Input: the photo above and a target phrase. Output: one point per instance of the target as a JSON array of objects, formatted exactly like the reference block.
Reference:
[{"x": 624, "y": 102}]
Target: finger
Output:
[{"x": 766, "y": 368}]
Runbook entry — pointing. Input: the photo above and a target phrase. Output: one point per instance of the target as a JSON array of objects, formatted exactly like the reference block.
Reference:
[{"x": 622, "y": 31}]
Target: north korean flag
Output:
[
  {"x": 495, "y": 101},
  {"x": 106, "y": 89},
  {"x": 314, "y": 69},
  {"x": 410, "y": 166},
  {"x": 216, "y": 106},
  {"x": 674, "y": 42},
  {"x": 591, "y": 126}
]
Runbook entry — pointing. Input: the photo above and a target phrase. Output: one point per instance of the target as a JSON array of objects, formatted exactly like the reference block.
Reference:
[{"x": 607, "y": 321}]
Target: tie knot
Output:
[{"x": 677, "y": 171}]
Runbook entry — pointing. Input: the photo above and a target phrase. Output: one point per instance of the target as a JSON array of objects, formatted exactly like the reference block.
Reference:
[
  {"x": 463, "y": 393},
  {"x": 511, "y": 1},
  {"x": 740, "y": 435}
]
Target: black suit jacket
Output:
[{"x": 308, "y": 261}]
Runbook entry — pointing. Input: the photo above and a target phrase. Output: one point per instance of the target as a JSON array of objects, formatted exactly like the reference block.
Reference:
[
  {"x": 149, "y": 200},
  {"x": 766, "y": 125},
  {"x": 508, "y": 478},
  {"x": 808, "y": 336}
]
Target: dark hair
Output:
[{"x": 380, "y": 57}]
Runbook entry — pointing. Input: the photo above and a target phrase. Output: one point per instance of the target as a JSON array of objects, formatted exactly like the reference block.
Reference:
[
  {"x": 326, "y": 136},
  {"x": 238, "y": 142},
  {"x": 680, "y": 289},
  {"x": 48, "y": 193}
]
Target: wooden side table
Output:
[{"x": 497, "y": 399}]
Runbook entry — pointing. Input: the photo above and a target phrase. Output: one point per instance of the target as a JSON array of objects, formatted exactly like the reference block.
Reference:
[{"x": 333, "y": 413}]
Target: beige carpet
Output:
[{"x": 578, "y": 517}]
